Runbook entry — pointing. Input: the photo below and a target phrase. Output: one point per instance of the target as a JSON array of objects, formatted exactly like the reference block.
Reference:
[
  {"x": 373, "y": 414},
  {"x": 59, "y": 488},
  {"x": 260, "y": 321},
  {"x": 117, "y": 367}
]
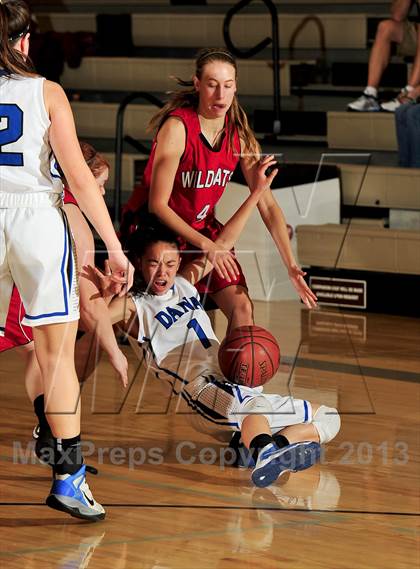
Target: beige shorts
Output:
[{"x": 408, "y": 46}]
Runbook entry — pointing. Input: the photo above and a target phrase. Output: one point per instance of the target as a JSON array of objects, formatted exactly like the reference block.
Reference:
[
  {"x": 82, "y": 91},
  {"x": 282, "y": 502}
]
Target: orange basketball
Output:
[{"x": 249, "y": 355}]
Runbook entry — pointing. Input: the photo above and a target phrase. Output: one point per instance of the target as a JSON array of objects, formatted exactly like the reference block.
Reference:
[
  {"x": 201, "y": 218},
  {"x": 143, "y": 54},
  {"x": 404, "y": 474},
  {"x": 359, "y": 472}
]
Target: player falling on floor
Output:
[
  {"x": 36, "y": 251},
  {"x": 165, "y": 316},
  {"x": 202, "y": 134}
]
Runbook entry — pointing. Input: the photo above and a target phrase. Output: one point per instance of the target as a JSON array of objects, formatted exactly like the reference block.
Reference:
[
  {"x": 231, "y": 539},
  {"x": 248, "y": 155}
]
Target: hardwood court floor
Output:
[{"x": 171, "y": 504}]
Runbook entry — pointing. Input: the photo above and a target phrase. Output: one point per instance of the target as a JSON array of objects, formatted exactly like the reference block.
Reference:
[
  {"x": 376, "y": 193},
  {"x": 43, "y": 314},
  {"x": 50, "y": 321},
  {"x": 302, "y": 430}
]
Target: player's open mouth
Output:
[
  {"x": 159, "y": 284},
  {"x": 219, "y": 107}
]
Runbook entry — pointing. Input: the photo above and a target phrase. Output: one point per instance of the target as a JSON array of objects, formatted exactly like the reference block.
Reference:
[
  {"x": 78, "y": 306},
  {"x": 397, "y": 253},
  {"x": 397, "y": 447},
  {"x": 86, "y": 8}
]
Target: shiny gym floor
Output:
[{"x": 172, "y": 502}]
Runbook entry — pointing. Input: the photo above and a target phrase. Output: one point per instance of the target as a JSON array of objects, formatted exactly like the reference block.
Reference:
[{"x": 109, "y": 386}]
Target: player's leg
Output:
[
  {"x": 236, "y": 305},
  {"x": 47, "y": 280},
  {"x": 250, "y": 412},
  {"x": 94, "y": 317},
  {"x": 6, "y": 281},
  {"x": 297, "y": 420},
  {"x": 54, "y": 346}
]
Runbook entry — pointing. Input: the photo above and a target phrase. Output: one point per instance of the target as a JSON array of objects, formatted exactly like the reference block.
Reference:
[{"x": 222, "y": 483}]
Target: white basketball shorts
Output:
[{"x": 37, "y": 254}]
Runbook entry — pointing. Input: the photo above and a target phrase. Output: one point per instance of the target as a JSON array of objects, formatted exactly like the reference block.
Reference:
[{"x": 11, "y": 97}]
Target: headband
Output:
[
  {"x": 211, "y": 53},
  {"x": 18, "y": 34}
]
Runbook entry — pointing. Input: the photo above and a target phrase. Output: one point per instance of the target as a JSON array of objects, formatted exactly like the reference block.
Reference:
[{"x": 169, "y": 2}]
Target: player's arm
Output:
[
  {"x": 169, "y": 149},
  {"x": 122, "y": 310},
  {"x": 230, "y": 233},
  {"x": 66, "y": 147},
  {"x": 273, "y": 218}
]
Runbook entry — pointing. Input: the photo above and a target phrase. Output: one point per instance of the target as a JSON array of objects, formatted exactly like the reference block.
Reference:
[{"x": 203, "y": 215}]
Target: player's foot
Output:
[
  {"x": 70, "y": 493},
  {"x": 273, "y": 461},
  {"x": 364, "y": 104}
]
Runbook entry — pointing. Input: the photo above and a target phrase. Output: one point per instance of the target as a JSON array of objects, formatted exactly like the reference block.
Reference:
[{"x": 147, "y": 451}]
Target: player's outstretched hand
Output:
[
  {"x": 261, "y": 181},
  {"x": 122, "y": 271},
  {"x": 296, "y": 276},
  {"x": 120, "y": 364},
  {"x": 224, "y": 263},
  {"x": 108, "y": 284}
]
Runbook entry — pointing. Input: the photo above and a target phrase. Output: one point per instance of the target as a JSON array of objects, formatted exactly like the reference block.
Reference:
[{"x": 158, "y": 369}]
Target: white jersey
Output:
[
  {"x": 176, "y": 332},
  {"x": 25, "y": 152},
  {"x": 181, "y": 348}
]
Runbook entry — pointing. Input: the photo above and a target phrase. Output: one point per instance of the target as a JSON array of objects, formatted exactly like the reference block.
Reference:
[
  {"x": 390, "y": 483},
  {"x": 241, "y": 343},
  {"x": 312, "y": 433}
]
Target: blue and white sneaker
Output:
[
  {"x": 70, "y": 493},
  {"x": 273, "y": 461}
]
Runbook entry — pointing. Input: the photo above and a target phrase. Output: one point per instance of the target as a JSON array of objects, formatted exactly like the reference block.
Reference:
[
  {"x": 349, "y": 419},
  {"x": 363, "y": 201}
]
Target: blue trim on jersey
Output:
[
  {"x": 50, "y": 158},
  {"x": 168, "y": 371},
  {"x": 239, "y": 394},
  {"x": 305, "y": 406},
  {"x": 63, "y": 278},
  {"x": 197, "y": 406}
]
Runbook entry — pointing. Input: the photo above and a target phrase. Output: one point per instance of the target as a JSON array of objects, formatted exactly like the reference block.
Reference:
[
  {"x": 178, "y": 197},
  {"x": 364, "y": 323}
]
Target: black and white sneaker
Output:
[{"x": 365, "y": 104}]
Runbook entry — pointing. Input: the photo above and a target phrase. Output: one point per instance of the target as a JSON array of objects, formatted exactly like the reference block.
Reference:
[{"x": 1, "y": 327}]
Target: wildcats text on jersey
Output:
[
  {"x": 170, "y": 314},
  {"x": 205, "y": 179}
]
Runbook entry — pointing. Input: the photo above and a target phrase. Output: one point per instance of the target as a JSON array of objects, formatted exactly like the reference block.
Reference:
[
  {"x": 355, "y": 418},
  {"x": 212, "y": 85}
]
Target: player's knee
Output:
[
  {"x": 327, "y": 422},
  {"x": 244, "y": 308},
  {"x": 255, "y": 406}
]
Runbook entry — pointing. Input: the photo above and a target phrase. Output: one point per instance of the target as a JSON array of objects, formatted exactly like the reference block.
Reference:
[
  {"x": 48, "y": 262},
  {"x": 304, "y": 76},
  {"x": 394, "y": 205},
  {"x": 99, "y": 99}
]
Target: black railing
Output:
[
  {"x": 247, "y": 53},
  {"x": 119, "y": 143}
]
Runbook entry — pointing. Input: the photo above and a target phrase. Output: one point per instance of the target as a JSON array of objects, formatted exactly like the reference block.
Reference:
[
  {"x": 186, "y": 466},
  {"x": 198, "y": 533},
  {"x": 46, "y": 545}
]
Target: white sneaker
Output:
[
  {"x": 402, "y": 98},
  {"x": 364, "y": 104}
]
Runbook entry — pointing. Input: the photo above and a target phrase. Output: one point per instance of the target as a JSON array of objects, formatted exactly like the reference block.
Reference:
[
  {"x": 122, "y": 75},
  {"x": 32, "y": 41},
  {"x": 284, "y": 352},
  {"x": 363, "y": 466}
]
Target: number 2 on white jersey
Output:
[{"x": 12, "y": 115}]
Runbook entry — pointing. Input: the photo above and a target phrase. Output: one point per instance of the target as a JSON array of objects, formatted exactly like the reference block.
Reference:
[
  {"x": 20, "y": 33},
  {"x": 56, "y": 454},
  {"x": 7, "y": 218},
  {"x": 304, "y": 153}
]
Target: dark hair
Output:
[
  {"x": 15, "y": 22},
  {"x": 149, "y": 231},
  {"x": 189, "y": 98}
]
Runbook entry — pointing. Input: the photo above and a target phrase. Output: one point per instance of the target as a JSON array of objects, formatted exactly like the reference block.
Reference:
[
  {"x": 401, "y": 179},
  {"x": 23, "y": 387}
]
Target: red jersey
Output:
[
  {"x": 202, "y": 174},
  {"x": 68, "y": 197}
]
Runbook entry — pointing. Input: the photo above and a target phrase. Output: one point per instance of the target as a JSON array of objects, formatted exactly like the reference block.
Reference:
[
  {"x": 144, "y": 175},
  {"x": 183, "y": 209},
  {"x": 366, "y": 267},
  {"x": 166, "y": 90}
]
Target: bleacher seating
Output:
[{"x": 321, "y": 72}]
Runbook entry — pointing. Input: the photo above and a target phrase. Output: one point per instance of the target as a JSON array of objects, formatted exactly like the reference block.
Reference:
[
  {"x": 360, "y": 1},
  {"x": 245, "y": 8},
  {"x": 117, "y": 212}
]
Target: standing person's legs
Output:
[
  {"x": 43, "y": 267},
  {"x": 54, "y": 347}
]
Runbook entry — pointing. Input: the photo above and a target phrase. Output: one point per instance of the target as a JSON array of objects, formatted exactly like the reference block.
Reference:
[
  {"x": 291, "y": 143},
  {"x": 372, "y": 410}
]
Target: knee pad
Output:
[
  {"x": 327, "y": 422},
  {"x": 259, "y": 405}
]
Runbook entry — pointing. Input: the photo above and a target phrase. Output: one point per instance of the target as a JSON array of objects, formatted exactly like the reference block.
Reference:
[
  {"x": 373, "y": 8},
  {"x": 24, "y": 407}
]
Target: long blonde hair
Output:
[
  {"x": 15, "y": 21},
  {"x": 188, "y": 97}
]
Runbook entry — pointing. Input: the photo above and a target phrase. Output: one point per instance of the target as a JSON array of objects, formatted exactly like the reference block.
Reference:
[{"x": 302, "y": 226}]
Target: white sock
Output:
[
  {"x": 409, "y": 88},
  {"x": 372, "y": 91}
]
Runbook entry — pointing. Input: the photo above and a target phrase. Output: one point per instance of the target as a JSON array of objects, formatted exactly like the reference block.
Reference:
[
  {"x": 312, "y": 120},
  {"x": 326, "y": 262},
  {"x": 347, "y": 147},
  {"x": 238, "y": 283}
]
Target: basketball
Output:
[{"x": 249, "y": 355}]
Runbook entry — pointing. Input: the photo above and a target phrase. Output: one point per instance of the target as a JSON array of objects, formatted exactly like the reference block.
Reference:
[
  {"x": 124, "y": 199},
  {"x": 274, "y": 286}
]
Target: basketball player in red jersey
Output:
[{"x": 202, "y": 134}]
